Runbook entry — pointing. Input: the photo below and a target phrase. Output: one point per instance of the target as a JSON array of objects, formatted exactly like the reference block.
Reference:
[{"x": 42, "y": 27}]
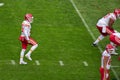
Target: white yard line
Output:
[
  {"x": 83, "y": 20},
  {"x": 1, "y": 4},
  {"x": 61, "y": 63},
  {"x": 115, "y": 66},
  {"x": 37, "y": 62},
  {"x": 85, "y": 63},
  {"x": 115, "y": 74},
  {"x": 90, "y": 32},
  {"x": 13, "y": 62}
]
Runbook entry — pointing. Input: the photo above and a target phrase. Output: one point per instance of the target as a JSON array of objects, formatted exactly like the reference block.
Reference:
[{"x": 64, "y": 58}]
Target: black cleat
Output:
[{"x": 95, "y": 45}]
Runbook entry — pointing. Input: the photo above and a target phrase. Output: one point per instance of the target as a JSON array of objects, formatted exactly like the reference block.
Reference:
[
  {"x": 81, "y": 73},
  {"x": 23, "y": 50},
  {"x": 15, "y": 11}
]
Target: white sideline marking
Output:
[
  {"x": 1, "y": 4},
  {"x": 115, "y": 66},
  {"x": 85, "y": 63},
  {"x": 13, "y": 62},
  {"x": 37, "y": 62},
  {"x": 90, "y": 32},
  {"x": 61, "y": 63},
  {"x": 115, "y": 74},
  {"x": 84, "y": 22}
]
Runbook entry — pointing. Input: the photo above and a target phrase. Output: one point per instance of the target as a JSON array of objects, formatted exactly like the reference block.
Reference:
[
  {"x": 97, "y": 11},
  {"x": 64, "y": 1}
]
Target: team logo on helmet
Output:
[
  {"x": 109, "y": 48},
  {"x": 29, "y": 17},
  {"x": 117, "y": 13}
]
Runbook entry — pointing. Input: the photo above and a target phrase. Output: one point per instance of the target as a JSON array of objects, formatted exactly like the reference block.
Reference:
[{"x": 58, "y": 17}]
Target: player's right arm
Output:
[{"x": 111, "y": 21}]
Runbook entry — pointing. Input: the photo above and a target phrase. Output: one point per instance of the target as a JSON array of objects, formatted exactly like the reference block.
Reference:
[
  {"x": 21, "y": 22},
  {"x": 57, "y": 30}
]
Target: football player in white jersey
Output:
[
  {"x": 26, "y": 39},
  {"x": 104, "y": 25},
  {"x": 106, "y": 62}
]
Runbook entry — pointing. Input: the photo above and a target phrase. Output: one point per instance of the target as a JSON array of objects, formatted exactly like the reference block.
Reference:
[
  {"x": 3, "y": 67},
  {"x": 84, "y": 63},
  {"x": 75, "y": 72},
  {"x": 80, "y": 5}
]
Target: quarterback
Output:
[
  {"x": 26, "y": 39},
  {"x": 104, "y": 25}
]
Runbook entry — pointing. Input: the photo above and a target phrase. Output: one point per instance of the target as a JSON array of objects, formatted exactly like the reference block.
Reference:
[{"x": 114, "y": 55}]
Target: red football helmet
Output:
[
  {"x": 117, "y": 13},
  {"x": 29, "y": 17},
  {"x": 110, "y": 48}
]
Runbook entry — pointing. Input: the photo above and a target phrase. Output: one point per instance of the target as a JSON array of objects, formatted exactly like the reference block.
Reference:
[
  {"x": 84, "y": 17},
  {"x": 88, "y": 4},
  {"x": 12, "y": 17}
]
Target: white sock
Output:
[
  {"x": 99, "y": 39},
  {"x": 22, "y": 54},
  {"x": 32, "y": 49}
]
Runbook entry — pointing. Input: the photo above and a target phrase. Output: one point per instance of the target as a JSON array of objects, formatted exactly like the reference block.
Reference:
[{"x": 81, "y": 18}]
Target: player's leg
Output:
[
  {"x": 24, "y": 46},
  {"x": 108, "y": 77},
  {"x": 115, "y": 39},
  {"x": 102, "y": 73},
  {"x": 101, "y": 37},
  {"x": 22, "y": 56},
  {"x": 108, "y": 31},
  {"x": 34, "y": 46}
]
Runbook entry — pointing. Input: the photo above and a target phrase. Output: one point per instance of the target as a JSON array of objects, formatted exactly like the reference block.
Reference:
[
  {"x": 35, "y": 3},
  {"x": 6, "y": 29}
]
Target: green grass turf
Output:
[
  {"x": 61, "y": 35},
  {"x": 94, "y": 10}
]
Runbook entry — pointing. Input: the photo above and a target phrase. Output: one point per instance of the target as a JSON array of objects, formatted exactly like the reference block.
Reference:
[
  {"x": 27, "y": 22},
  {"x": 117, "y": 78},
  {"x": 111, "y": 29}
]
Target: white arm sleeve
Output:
[{"x": 25, "y": 32}]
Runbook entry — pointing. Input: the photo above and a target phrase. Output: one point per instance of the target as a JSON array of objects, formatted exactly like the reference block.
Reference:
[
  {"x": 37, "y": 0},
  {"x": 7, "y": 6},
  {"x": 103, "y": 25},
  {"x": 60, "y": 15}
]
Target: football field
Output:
[{"x": 64, "y": 30}]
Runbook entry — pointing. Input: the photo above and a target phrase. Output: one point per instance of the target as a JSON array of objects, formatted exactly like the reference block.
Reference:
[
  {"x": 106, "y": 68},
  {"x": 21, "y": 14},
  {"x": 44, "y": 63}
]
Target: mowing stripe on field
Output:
[
  {"x": 61, "y": 63},
  {"x": 90, "y": 32},
  {"x": 85, "y": 63}
]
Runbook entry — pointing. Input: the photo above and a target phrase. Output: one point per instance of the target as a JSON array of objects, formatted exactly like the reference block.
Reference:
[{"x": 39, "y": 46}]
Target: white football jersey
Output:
[
  {"x": 117, "y": 34},
  {"x": 106, "y": 54},
  {"x": 26, "y": 27},
  {"x": 103, "y": 22}
]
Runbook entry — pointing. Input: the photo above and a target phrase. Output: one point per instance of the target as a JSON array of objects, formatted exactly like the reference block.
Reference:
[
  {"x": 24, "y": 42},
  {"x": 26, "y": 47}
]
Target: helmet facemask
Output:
[
  {"x": 110, "y": 49},
  {"x": 30, "y": 19},
  {"x": 117, "y": 13}
]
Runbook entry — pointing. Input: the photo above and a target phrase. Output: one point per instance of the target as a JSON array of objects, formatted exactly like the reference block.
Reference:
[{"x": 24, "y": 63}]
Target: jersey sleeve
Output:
[
  {"x": 25, "y": 28},
  {"x": 25, "y": 32}
]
